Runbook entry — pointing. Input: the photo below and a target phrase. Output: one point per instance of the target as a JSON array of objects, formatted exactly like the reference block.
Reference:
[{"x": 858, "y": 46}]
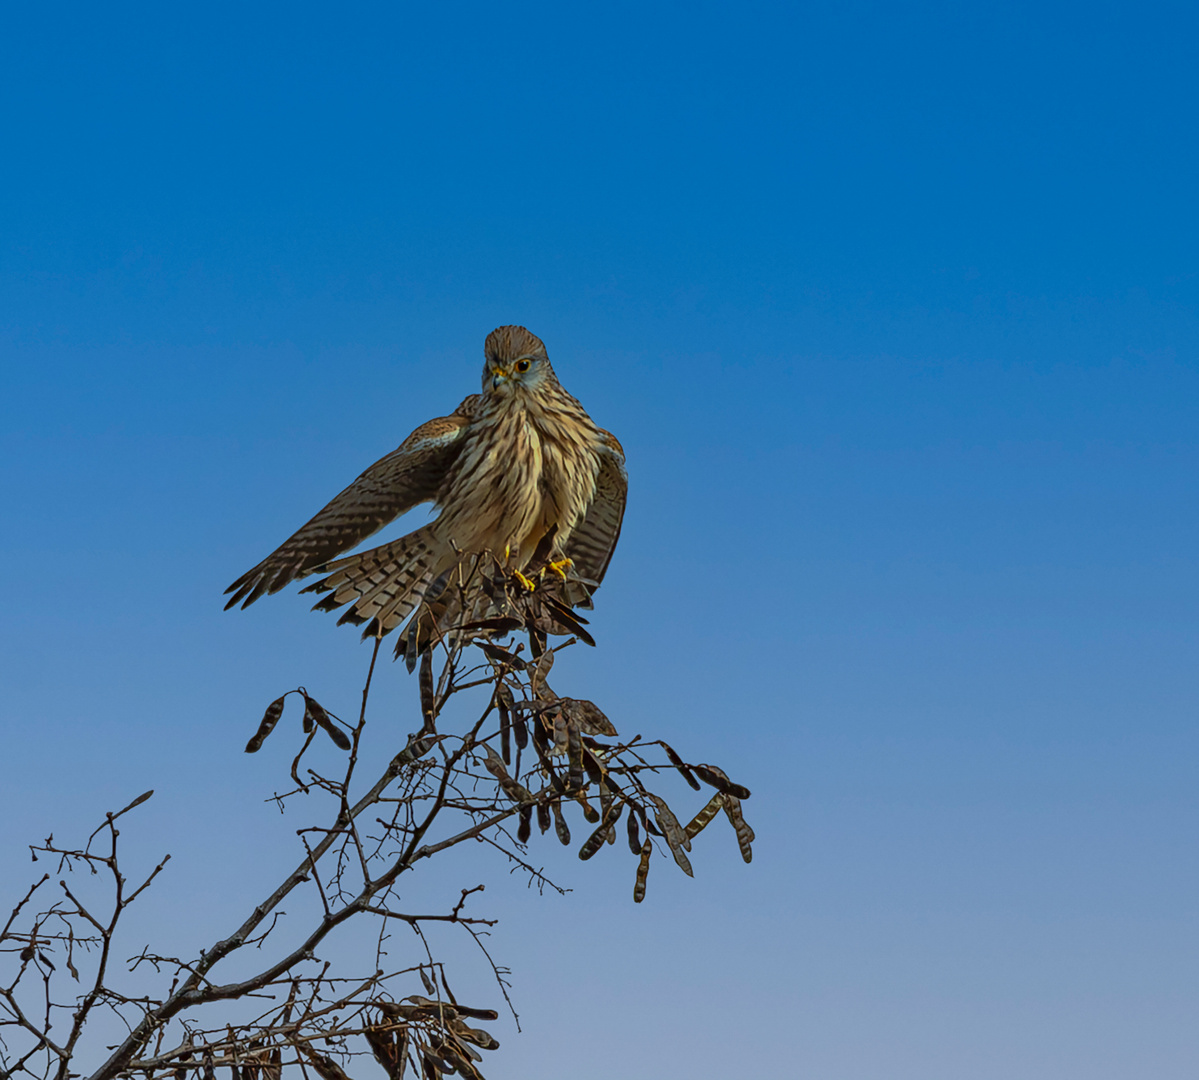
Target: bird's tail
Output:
[{"x": 385, "y": 584}]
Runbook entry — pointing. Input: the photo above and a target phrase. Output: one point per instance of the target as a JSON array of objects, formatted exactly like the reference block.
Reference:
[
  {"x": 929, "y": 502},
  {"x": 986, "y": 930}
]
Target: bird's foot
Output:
[
  {"x": 558, "y": 568},
  {"x": 524, "y": 580}
]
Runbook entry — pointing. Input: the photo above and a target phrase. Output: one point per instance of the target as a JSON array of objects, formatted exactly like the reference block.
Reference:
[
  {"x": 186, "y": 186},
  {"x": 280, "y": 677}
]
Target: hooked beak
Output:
[{"x": 499, "y": 375}]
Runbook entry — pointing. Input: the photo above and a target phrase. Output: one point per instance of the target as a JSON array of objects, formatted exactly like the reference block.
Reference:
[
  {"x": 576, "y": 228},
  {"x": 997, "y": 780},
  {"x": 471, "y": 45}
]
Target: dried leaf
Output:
[
  {"x": 430, "y": 1066},
  {"x": 574, "y": 755},
  {"x": 710, "y": 774},
  {"x": 501, "y": 656},
  {"x": 701, "y": 820},
  {"x": 505, "y": 729},
  {"x": 561, "y": 733},
  {"x": 477, "y": 1014},
  {"x": 475, "y": 1035},
  {"x": 326, "y": 1067},
  {"x": 520, "y": 731},
  {"x": 136, "y": 802},
  {"x": 545, "y": 545},
  {"x": 425, "y": 978},
  {"x": 561, "y": 620},
  {"x": 545, "y": 663},
  {"x": 459, "y": 1063},
  {"x": 269, "y": 719},
  {"x": 677, "y": 762},
  {"x": 500, "y": 627},
  {"x": 642, "y": 872},
  {"x": 389, "y": 1051},
  {"x": 588, "y": 716}
]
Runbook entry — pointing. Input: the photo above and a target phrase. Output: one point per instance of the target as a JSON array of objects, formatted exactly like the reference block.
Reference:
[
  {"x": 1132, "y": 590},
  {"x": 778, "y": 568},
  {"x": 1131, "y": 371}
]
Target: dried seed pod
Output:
[
  {"x": 745, "y": 835},
  {"x": 427, "y": 702},
  {"x": 269, "y": 719},
  {"x": 595, "y": 841},
  {"x": 543, "y": 818},
  {"x": 388, "y": 1050},
  {"x": 574, "y": 755},
  {"x": 545, "y": 663},
  {"x": 593, "y": 766},
  {"x": 710, "y": 774},
  {"x": 501, "y": 656},
  {"x": 515, "y": 791},
  {"x": 560, "y": 826},
  {"x": 525, "y": 829},
  {"x": 676, "y": 839},
  {"x": 314, "y": 709},
  {"x": 677, "y": 762},
  {"x": 505, "y": 729},
  {"x": 701, "y": 820},
  {"x": 589, "y": 812},
  {"x": 634, "y": 834},
  {"x": 326, "y": 1067},
  {"x": 475, "y": 1035},
  {"x": 642, "y": 872}
]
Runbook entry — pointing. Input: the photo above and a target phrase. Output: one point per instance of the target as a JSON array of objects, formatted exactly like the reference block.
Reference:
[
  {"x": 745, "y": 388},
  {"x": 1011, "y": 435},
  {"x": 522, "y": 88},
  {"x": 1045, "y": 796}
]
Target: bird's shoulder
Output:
[
  {"x": 442, "y": 429},
  {"x": 611, "y": 444}
]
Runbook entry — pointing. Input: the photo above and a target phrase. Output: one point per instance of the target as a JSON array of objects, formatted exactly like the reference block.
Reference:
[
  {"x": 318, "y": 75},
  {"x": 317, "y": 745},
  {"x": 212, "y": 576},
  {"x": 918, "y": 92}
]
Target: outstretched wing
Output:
[
  {"x": 591, "y": 544},
  {"x": 409, "y": 475}
]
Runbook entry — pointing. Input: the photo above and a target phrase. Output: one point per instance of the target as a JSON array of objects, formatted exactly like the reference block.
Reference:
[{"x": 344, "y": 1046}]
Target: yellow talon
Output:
[
  {"x": 560, "y": 567},
  {"x": 524, "y": 580}
]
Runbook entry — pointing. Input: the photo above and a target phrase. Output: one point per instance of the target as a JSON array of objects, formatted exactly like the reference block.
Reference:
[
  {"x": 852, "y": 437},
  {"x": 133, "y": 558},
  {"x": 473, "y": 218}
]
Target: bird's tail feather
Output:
[{"x": 385, "y": 584}]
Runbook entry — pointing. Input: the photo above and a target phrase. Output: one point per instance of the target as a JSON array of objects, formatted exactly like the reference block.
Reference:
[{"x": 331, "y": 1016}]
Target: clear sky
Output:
[{"x": 894, "y": 310}]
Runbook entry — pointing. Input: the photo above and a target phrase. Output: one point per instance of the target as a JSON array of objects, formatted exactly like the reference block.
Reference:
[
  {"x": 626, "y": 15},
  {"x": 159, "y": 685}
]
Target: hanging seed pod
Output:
[
  {"x": 677, "y": 762},
  {"x": 269, "y": 719},
  {"x": 427, "y": 702},
  {"x": 560, "y": 826},
  {"x": 589, "y": 812},
  {"x": 634, "y": 835},
  {"x": 709, "y": 774},
  {"x": 676, "y": 839},
  {"x": 596, "y": 840},
  {"x": 701, "y": 820},
  {"x": 745, "y": 835},
  {"x": 314, "y": 709},
  {"x": 642, "y": 872}
]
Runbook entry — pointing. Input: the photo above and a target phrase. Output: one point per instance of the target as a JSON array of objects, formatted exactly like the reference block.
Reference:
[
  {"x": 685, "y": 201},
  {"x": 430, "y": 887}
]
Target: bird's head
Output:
[{"x": 515, "y": 361}]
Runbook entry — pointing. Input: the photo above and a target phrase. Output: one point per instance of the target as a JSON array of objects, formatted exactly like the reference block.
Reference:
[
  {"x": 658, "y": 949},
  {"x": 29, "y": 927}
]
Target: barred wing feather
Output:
[{"x": 409, "y": 475}]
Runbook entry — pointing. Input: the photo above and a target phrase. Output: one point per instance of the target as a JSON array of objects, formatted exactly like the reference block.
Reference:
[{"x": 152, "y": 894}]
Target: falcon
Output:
[{"x": 512, "y": 469}]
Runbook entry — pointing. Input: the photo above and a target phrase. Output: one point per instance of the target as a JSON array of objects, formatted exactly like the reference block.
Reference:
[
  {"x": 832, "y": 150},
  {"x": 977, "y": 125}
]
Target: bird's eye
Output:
[{"x": 523, "y": 365}]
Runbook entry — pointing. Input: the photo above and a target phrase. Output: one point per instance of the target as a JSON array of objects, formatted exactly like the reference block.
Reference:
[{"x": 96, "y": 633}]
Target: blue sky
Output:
[{"x": 894, "y": 309}]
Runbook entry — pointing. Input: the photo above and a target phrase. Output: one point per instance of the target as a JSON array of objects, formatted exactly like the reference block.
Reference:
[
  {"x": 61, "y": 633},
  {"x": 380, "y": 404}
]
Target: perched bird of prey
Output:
[{"x": 510, "y": 467}]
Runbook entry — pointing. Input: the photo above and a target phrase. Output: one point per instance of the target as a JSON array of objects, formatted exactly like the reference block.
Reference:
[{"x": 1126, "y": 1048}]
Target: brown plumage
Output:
[{"x": 505, "y": 468}]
